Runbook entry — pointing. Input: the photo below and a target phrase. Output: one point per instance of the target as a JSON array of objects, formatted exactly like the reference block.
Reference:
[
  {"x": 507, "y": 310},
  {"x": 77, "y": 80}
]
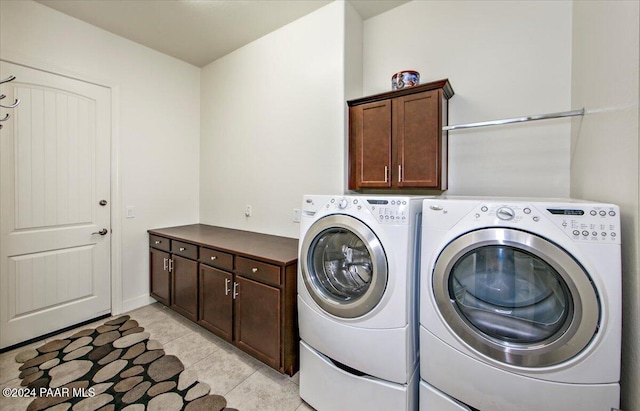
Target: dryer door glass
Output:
[
  {"x": 510, "y": 294},
  {"x": 343, "y": 266},
  {"x": 515, "y": 297}
]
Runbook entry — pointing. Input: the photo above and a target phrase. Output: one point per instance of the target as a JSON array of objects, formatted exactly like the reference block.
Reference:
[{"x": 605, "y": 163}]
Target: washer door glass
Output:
[
  {"x": 344, "y": 266},
  {"x": 510, "y": 294},
  {"x": 515, "y": 297}
]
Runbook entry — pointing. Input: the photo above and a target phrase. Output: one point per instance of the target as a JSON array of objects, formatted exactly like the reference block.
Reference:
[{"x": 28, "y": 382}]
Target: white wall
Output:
[
  {"x": 352, "y": 73},
  {"x": 156, "y": 113},
  {"x": 352, "y": 55},
  {"x": 503, "y": 59},
  {"x": 272, "y": 123},
  {"x": 605, "y": 151}
]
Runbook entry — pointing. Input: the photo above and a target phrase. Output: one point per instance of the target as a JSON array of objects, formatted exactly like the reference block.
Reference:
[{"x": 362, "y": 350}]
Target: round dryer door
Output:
[
  {"x": 344, "y": 266},
  {"x": 515, "y": 297}
]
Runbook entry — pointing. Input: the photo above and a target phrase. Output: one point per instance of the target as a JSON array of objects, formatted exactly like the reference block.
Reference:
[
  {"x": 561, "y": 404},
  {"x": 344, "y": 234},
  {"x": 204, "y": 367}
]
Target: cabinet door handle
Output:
[
  {"x": 171, "y": 265},
  {"x": 399, "y": 173},
  {"x": 213, "y": 258},
  {"x": 235, "y": 290},
  {"x": 254, "y": 270},
  {"x": 157, "y": 242},
  {"x": 227, "y": 290},
  {"x": 182, "y": 248},
  {"x": 165, "y": 261},
  {"x": 386, "y": 174}
]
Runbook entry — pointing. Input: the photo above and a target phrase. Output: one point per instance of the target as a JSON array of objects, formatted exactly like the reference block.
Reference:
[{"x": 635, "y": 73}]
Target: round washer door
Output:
[
  {"x": 515, "y": 297},
  {"x": 344, "y": 266}
]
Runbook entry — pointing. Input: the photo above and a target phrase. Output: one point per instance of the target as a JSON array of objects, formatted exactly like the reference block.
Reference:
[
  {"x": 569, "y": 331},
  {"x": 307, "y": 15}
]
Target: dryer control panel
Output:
[
  {"x": 385, "y": 211},
  {"x": 581, "y": 222}
]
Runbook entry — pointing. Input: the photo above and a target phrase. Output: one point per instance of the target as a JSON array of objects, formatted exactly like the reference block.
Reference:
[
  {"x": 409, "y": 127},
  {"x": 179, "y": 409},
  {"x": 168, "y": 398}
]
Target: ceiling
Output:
[{"x": 199, "y": 31}]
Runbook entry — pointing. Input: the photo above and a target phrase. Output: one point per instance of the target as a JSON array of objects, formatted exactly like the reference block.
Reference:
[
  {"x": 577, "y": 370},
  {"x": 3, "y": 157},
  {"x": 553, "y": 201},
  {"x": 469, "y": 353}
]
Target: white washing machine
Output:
[
  {"x": 520, "y": 305},
  {"x": 357, "y": 302}
]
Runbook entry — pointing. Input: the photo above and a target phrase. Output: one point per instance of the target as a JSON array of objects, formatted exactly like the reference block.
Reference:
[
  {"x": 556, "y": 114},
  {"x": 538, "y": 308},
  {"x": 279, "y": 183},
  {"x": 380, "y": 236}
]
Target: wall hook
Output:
[{"x": 15, "y": 103}]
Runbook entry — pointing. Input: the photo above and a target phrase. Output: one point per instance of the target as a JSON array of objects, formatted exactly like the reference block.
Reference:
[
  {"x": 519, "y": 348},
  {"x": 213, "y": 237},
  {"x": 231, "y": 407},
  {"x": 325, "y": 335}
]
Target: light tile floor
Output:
[{"x": 245, "y": 382}]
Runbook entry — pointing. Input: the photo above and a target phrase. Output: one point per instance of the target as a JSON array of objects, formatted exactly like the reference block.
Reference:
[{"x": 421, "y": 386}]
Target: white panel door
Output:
[{"x": 54, "y": 172}]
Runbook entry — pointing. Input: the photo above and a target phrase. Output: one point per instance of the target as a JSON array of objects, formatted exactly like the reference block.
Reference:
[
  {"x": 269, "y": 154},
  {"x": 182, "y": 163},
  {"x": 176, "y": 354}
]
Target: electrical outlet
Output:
[
  {"x": 296, "y": 215},
  {"x": 247, "y": 211}
]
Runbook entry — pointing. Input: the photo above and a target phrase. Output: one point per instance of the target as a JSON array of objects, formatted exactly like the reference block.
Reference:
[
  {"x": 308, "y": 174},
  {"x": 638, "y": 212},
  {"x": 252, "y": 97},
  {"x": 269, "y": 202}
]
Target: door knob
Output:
[
  {"x": 104, "y": 231},
  {"x": 103, "y": 202}
]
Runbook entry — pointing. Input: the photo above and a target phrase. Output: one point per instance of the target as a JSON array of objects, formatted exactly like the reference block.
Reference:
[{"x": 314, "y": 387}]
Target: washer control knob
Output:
[
  {"x": 505, "y": 213},
  {"x": 343, "y": 203}
]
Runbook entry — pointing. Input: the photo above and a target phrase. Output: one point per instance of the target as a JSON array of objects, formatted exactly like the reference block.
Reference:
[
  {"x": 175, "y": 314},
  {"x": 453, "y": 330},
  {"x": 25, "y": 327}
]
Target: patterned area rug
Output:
[{"x": 112, "y": 367}]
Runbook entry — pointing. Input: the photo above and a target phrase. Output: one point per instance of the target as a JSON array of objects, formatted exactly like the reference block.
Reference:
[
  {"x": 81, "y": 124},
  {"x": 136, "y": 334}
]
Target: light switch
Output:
[
  {"x": 130, "y": 212},
  {"x": 296, "y": 215}
]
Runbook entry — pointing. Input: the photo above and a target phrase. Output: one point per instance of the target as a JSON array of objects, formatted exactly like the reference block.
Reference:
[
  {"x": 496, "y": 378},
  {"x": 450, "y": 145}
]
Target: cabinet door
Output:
[
  {"x": 370, "y": 145},
  {"x": 216, "y": 301},
  {"x": 184, "y": 295},
  {"x": 159, "y": 276},
  {"x": 257, "y": 320},
  {"x": 418, "y": 139}
]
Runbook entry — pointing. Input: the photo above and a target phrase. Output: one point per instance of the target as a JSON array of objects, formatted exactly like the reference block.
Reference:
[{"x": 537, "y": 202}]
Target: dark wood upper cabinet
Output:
[
  {"x": 371, "y": 133},
  {"x": 396, "y": 139}
]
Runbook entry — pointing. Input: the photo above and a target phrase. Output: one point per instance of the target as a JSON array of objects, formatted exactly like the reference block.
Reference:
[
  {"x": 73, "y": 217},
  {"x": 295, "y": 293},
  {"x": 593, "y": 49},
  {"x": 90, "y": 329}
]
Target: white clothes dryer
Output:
[
  {"x": 520, "y": 305},
  {"x": 357, "y": 302}
]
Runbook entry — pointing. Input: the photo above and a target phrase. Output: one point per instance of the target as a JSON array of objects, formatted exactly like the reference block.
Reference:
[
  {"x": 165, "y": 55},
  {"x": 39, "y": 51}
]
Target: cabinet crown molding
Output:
[{"x": 447, "y": 92}]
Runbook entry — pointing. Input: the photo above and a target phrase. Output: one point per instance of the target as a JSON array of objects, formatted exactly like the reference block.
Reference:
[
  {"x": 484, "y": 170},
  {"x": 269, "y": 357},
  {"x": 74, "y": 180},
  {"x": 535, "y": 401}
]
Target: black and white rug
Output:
[{"x": 112, "y": 367}]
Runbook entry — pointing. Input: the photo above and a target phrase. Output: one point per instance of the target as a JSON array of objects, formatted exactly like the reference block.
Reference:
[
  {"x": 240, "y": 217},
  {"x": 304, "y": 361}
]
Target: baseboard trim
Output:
[{"x": 137, "y": 302}]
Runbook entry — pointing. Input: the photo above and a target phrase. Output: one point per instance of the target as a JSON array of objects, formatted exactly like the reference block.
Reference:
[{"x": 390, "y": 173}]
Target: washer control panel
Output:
[
  {"x": 581, "y": 222},
  {"x": 595, "y": 223},
  {"x": 506, "y": 213},
  {"x": 385, "y": 211}
]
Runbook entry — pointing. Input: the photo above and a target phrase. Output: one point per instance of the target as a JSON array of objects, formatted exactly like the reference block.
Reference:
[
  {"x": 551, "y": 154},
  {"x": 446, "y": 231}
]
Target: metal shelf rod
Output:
[{"x": 561, "y": 114}]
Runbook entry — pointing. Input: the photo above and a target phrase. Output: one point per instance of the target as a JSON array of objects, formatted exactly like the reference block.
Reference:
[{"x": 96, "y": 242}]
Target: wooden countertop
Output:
[{"x": 278, "y": 250}]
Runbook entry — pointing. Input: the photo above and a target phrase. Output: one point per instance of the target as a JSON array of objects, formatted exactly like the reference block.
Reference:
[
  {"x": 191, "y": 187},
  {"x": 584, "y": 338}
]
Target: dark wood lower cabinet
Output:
[
  {"x": 160, "y": 277},
  {"x": 258, "y": 320},
  {"x": 216, "y": 301},
  {"x": 184, "y": 295},
  {"x": 239, "y": 285}
]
